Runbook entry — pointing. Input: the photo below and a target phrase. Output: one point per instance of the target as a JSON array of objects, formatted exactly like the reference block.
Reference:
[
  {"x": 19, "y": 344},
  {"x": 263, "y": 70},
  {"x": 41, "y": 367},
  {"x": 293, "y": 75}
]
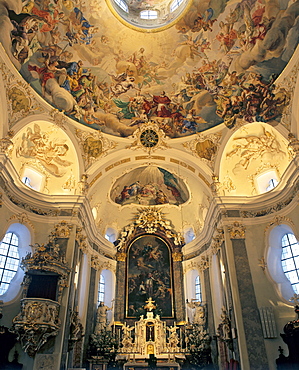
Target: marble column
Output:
[
  {"x": 249, "y": 328},
  {"x": 119, "y": 310},
  {"x": 178, "y": 287}
]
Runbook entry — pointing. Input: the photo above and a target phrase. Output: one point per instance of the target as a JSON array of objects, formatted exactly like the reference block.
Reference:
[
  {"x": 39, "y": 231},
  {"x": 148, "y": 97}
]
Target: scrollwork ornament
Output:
[
  {"x": 204, "y": 263},
  {"x": 236, "y": 231},
  {"x": 293, "y": 143},
  {"x": 61, "y": 230},
  {"x": 149, "y": 137},
  {"x": 81, "y": 239},
  {"x": 204, "y": 147},
  {"x": 6, "y": 144},
  {"x": 278, "y": 220},
  {"x": 23, "y": 219},
  {"x": 217, "y": 241},
  {"x": 37, "y": 321},
  {"x": 94, "y": 146}
]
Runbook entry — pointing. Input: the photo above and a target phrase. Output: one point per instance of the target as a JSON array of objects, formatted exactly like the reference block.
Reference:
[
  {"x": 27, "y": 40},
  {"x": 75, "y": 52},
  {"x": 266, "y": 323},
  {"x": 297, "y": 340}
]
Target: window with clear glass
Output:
[
  {"x": 175, "y": 4},
  {"x": 290, "y": 259},
  {"x": 122, "y": 4},
  {"x": 197, "y": 289},
  {"x": 148, "y": 14},
  {"x": 101, "y": 291},
  {"x": 272, "y": 184},
  {"x": 9, "y": 260}
]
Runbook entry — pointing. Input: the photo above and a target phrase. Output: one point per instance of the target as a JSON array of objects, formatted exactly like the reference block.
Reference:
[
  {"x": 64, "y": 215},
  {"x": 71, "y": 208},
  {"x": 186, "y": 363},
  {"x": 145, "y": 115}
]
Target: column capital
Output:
[{"x": 236, "y": 230}]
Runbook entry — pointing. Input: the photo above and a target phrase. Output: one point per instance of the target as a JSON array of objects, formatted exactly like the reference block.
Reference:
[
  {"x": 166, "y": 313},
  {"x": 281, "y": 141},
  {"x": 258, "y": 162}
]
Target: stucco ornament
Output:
[
  {"x": 6, "y": 144},
  {"x": 150, "y": 220},
  {"x": 236, "y": 231},
  {"x": 149, "y": 137},
  {"x": 39, "y": 317}
]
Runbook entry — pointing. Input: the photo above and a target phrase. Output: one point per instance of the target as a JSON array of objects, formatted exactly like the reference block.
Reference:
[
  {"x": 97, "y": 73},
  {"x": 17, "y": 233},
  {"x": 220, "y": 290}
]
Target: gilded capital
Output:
[
  {"x": 120, "y": 256},
  {"x": 177, "y": 256},
  {"x": 236, "y": 231}
]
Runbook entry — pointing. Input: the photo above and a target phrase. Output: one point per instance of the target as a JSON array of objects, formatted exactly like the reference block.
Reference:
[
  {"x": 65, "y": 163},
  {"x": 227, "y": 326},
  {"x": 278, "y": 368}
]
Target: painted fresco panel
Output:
[
  {"x": 149, "y": 274},
  {"x": 218, "y": 63}
]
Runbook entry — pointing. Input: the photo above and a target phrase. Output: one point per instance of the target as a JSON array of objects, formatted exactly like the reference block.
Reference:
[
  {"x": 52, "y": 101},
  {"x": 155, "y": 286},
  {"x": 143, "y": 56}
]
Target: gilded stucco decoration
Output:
[
  {"x": 38, "y": 319},
  {"x": 278, "y": 220},
  {"x": 289, "y": 83},
  {"x": 149, "y": 137},
  {"x": 262, "y": 263},
  {"x": 23, "y": 219},
  {"x": 99, "y": 264},
  {"x": 150, "y": 220},
  {"x": 20, "y": 96},
  {"x": 236, "y": 230},
  {"x": 61, "y": 230},
  {"x": 204, "y": 147},
  {"x": 94, "y": 146}
]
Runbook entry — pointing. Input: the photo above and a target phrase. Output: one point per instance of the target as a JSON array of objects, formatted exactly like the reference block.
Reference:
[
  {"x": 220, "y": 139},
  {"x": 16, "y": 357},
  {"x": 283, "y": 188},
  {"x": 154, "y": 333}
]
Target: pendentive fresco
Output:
[{"x": 217, "y": 64}]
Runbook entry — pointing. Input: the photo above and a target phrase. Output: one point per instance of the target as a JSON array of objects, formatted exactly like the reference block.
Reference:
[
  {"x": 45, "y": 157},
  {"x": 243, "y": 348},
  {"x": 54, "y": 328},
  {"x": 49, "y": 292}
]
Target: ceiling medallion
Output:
[
  {"x": 148, "y": 137},
  {"x": 148, "y": 15}
]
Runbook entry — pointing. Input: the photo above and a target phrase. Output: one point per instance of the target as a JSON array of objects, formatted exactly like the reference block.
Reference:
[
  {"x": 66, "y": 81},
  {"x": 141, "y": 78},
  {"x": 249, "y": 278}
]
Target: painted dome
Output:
[{"x": 217, "y": 63}]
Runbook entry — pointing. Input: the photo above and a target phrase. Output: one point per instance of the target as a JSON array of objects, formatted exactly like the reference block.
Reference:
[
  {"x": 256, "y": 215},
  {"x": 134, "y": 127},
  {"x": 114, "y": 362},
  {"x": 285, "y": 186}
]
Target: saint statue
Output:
[{"x": 101, "y": 317}]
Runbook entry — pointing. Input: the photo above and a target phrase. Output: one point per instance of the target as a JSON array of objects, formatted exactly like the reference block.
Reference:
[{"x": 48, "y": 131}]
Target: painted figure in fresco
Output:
[
  {"x": 162, "y": 101},
  {"x": 246, "y": 36}
]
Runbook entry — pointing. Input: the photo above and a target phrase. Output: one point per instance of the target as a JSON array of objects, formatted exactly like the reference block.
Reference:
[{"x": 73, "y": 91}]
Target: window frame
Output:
[
  {"x": 198, "y": 292},
  {"x": 288, "y": 244},
  {"x": 273, "y": 258},
  {"x": 14, "y": 290},
  {"x": 10, "y": 258},
  {"x": 101, "y": 289}
]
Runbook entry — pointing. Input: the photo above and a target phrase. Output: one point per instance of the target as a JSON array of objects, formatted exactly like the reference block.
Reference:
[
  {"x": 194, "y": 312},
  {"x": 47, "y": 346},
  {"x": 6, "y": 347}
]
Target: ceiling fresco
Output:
[
  {"x": 217, "y": 64},
  {"x": 150, "y": 185}
]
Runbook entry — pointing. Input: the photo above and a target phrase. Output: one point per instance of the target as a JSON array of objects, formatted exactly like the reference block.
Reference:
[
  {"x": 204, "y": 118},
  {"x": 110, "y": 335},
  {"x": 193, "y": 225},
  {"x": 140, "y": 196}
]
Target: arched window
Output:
[
  {"x": 290, "y": 259},
  {"x": 198, "y": 289},
  {"x": 9, "y": 260},
  {"x": 101, "y": 290}
]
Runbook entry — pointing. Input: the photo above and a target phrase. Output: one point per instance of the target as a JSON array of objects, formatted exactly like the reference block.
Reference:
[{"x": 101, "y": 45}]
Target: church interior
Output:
[{"x": 149, "y": 184}]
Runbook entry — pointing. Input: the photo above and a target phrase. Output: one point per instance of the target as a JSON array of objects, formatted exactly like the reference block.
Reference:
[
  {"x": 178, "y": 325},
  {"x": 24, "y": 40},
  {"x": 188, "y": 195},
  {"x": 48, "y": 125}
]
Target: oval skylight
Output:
[{"x": 148, "y": 15}]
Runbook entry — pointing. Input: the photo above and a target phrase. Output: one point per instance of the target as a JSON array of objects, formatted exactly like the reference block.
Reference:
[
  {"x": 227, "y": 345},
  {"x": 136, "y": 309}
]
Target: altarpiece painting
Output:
[{"x": 149, "y": 275}]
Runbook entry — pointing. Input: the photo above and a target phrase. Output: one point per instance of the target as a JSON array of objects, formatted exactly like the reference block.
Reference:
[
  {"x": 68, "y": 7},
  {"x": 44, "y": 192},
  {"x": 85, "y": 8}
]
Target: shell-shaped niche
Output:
[{"x": 149, "y": 185}]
